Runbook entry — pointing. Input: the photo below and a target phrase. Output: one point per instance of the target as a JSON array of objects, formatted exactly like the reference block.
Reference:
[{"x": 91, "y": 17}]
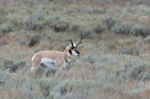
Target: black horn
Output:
[
  {"x": 79, "y": 41},
  {"x": 71, "y": 43}
]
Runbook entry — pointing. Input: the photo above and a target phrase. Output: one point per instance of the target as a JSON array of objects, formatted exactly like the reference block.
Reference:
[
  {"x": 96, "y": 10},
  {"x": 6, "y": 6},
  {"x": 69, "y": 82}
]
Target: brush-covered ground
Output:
[{"x": 115, "y": 52}]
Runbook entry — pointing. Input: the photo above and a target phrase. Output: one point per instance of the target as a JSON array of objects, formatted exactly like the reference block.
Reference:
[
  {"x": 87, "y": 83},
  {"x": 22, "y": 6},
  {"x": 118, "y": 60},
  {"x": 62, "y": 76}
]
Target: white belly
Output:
[{"x": 48, "y": 63}]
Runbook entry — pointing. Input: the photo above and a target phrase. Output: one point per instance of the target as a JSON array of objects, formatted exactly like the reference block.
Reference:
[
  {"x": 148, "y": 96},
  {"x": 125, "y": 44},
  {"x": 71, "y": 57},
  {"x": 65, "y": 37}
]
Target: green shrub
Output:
[
  {"x": 132, "y": 28},
  {"x": 140, "y": 30},
  {"x": 123, "y": 28},
  {"x": 87, "y": 33},
  {"x": 34, "y": 40},
  {"x": 6, "y": 28},
  {"x": 13, "y": 66},
  {"x": 31, "y": 25},
  {"x": 98, "y": 29},
  {"x": 94, "y": 10},
  {"x": 130, "y": 51},
  {"x": 34, "y": 23},
  {"x": 136, "y": 73},
  {"x": 108, "y": 22},
  {"x": 8, "y": 63},
  {"x": 59, "y": 26},
  {"x": 98, "y": 10},
  {"x": 72, "y": 12},
  {"x": 75, "y": 28}
]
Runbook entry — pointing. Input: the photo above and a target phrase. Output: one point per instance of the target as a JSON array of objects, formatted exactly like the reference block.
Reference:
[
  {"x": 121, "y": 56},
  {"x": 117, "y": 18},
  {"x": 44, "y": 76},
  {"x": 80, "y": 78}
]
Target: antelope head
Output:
[{"x": 73, "y": 47}]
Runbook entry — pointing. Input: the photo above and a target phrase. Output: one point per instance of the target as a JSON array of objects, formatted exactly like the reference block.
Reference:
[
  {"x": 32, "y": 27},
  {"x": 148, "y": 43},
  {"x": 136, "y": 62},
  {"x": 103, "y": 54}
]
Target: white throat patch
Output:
[{"x": 69, "y": 54}]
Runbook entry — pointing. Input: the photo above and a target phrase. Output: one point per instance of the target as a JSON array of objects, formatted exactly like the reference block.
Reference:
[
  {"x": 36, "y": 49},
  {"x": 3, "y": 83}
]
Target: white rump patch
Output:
[{"x": 48, "y": 63}]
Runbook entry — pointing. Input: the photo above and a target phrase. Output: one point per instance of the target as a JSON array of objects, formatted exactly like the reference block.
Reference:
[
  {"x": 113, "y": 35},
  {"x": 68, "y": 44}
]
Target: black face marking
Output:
[
  {"x": 73, "y": 47},
  {"x": 77, "y": 52},
  {"x": 70, "y": 51}
]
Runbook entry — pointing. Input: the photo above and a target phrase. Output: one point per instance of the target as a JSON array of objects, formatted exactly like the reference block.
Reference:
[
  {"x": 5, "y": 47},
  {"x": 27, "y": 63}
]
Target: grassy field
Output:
[{"x": 115, "y": 53}]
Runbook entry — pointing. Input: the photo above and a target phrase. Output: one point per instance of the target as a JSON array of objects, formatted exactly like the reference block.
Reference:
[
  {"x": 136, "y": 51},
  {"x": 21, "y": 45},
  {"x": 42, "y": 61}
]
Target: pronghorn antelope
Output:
[{"x": 56, "y": 60}]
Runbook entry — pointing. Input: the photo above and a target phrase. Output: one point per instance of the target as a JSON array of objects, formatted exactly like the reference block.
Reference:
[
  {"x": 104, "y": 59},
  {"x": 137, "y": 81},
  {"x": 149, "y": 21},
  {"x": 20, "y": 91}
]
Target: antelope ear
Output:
[{"x": 69, "y": 44}]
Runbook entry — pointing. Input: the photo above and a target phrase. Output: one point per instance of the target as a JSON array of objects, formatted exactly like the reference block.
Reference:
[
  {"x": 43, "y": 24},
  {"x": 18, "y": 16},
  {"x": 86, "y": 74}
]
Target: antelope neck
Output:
[{"x": 67, "y": 55}]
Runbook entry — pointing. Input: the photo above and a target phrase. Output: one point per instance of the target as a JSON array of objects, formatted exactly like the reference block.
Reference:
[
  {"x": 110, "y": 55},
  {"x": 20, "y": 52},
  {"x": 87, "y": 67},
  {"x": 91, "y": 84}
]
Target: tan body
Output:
[
  {"x": 59, "y": 58},
  {"x": 55, "y": 59}
]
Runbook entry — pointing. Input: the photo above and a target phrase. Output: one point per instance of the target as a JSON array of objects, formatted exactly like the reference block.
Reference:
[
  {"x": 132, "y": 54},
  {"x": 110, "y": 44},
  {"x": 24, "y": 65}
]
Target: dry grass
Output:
[{"x": 111, "y": 65}]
